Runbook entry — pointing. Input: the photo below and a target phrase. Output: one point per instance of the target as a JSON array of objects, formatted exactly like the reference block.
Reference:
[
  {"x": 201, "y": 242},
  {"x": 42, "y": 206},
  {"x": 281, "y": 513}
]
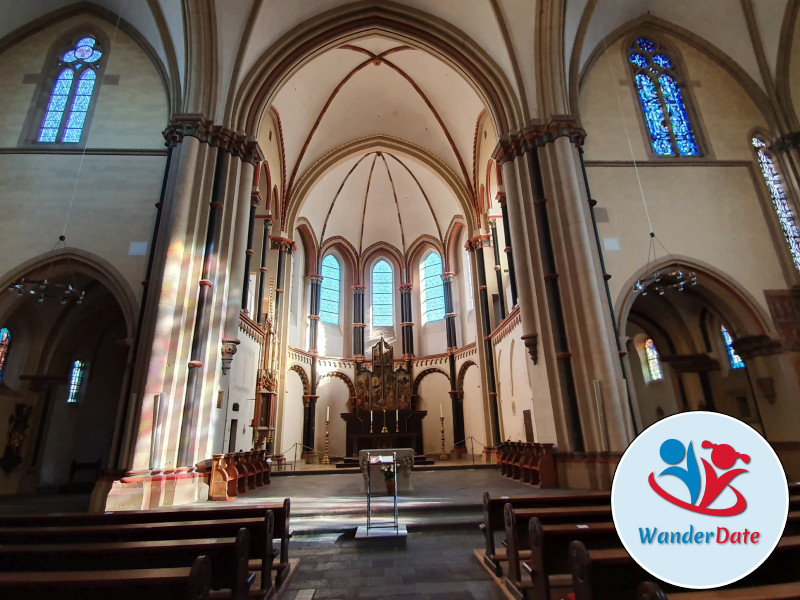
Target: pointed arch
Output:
[
  {"x": 431, "y": 288},
  {"x": 330, "y": 290},
  {"x": 382, "y": 282}
]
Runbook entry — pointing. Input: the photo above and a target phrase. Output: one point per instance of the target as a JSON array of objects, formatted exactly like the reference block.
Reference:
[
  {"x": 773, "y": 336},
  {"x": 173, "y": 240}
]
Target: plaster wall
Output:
[
  {"x": 433, "y": 393},
  {"x": 333, "y": 393},
  {"x": 291, "y": 422}
]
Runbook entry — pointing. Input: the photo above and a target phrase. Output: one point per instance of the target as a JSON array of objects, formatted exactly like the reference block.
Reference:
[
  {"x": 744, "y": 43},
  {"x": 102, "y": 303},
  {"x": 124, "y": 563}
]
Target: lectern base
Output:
[{"x": 382, "y": 532}]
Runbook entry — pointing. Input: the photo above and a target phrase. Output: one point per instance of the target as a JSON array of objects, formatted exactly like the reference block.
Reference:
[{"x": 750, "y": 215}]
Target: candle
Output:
[
  {"x": 370, "y": 416},
  {"x": 397, "y": 414},
  {"x": 328, "y": 416},
  {"x": 441, "y": 414}
]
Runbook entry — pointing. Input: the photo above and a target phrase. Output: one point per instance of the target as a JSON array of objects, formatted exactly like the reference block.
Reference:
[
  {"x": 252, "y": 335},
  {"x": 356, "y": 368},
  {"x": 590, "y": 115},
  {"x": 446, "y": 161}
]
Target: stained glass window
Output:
[
  {"x": 779, "y": 201},
  {"x": 5, "y": 344},
  {"x": 72, "y": 89},
  {"x": 432, "y": 288},
  {"x": 734, "y": 359},
  {"x": 76, "y": 378},
  {"x": 653, "y": 362},
  {"x": 330, "y": 290},
  {"x": 382, "y": 295},
  {"x": 661, "y": 100}
]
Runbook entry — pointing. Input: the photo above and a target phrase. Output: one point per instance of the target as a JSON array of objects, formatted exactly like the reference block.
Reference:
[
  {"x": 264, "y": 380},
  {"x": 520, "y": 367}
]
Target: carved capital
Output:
[
  {"x": 283, "y": 244},
  {"x": 479, "y": 241},
  {"x": 197, "y": 126},
  {"x": 229, "y": 347},
  {"x": 531, "y": 341},
  {"x": 526, "y": 140},
  {"x": 786, "y": 142}
]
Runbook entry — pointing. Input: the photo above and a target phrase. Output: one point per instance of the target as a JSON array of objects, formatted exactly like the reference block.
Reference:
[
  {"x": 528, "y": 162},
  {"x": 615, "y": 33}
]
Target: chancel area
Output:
[{"x": 308, "y": 229}]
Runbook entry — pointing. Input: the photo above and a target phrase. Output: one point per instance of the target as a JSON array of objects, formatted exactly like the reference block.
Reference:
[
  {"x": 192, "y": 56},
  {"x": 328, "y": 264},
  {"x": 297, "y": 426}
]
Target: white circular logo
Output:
[{"x": 699, "y": 499}]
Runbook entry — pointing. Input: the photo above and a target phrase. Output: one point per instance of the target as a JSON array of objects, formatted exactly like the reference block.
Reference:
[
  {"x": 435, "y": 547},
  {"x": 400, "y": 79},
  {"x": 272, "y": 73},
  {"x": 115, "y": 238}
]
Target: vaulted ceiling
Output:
[{"x": 381, "y": 86}]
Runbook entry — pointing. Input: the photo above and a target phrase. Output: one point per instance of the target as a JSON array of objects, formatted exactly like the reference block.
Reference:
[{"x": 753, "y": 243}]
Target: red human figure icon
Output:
[{"x": 724, "y": 457}]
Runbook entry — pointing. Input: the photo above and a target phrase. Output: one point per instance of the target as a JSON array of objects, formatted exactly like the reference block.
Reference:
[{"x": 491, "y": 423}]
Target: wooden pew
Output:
[
  {"x": 776, "y": 591},
  {"x": 613, "y": 574},
  {"x": 547, "y": 564},
  {"x": 494, "y": 521},
  {"x": 188, "y": 583},
  {"x": 228, "y": 556},
  {"x": 260, "y": 547},
  {"x": 212, "y": 512}
]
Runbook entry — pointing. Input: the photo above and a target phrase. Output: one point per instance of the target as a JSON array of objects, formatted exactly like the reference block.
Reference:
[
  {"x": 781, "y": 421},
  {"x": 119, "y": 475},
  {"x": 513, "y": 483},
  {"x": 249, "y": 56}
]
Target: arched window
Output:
[
  {"x": 734, "y": 359},
  {"x": 661, "y": 100},
  {"x": 76, "y": 378},
  {"x": 431, "y": 288},
  {"x": 653, "y": 362},
  {"x": 71, "y": 95},
  {"x": 782, "y": 208},
  {"x": 382, "y": 295},
  {"x": 5, "y": 344},
  {"x": 330, "y": 290}
]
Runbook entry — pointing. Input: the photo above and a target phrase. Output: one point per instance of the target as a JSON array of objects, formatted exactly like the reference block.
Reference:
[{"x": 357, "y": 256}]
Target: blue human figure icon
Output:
[{"x": 672, "y": 452}]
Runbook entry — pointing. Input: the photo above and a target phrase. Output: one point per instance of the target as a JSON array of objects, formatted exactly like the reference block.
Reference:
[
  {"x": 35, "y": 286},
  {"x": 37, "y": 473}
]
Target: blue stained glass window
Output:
[
  {"x": 330, "y": 290},
  {"x": 66, "y": 92},
  {"x": 55, "y": 108},
  {"x": 661, "y": 100},
  {"x": 432, "y": 288},
  {"x": 653, "y": 362},
  {"x": 654, "y": 115},
  {"x": 734, "y": 359},
  {"x": 779, "y": 201},
  {"x": 76, "y": 378},
  {"x": 382, "y": 295},
  {"x": 5, "y": 344}
]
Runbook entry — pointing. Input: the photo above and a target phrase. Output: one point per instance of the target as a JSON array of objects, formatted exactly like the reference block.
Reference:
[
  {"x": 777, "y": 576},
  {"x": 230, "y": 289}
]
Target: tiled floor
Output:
[{"x": 433, "y": 564}]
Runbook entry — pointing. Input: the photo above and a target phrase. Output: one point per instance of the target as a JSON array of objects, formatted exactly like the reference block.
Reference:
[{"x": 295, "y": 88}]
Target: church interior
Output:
[{"x": 317, "y": 227}]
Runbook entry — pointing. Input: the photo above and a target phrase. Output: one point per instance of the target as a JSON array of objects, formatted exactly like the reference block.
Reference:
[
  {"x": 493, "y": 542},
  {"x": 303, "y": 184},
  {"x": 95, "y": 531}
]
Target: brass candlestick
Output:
[
  {"x": 325, "y": 459},
  {"x": 444, "y": 455},
  {"x": 384, "y": 430},
  {"x": 397, "y": 423}
]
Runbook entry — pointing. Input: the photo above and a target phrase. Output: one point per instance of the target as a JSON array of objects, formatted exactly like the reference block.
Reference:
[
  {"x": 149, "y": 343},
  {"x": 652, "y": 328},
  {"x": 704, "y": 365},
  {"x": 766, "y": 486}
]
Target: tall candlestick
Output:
[{"x": 370, "y": 416}]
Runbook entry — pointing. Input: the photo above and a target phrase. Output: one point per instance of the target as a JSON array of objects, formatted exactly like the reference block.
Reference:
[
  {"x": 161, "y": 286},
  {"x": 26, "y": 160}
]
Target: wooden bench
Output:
[
  {"x": 613, "y": 574},
  {"x": 776, "y": 591},
  {"x": 260, "y": 541},
  {"x": 494, "y": 520},
  {"x": 228, "y": 556},
  {"x": 189, "y": 583},
  {"x": 281, "y": 511},
  {"x": 547, "y": 550}
]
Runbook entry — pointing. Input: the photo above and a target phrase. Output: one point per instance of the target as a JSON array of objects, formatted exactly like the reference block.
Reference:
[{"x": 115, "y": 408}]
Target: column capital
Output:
[
  {"x": 479, "y": 241},
  {"x": 359, "y": 289},
  {"x": 283, "y": 244},
  {"x": 405, "y": 288},
  {"x": 315, "y": 278},
  {"x": 526, "y": 140},
  {"x": 198, "y": 126},
  {"x": 787, "y": 142}
]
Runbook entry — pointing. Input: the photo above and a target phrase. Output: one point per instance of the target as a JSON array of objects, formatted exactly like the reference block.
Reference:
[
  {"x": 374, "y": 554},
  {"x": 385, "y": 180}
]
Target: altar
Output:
[{"x": 405, "y": 463}]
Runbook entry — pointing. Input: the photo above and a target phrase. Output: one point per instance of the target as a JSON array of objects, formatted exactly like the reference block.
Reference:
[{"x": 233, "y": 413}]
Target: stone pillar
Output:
[
  {"x": 594, "y": 343},
  {"x": 311, "y": 419},
  {"x": 456, "y": 401},
  {"x": 407, "y": 321},
  {"x": 476, "y": 245},
  {"x": 262, "y": 272},
  {"x": 512, "y": 275},
  {"x": 358, "y": 321},
  {"x": 284, "y": 246},
  {"x": 255, "y": 200},
  {"x": 309, "y": 409},
  {"x": 501, "y": 293}
]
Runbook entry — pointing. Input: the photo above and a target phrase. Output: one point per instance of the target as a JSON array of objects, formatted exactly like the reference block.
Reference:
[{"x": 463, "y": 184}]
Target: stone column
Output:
[
  {"x": 593, "y": 344},
  {"x": 255, "y": 200},
  {"x": 262, "y": 272},
  {"x": 456, "y": 400},
  {"x": 512, "y": 275},
  {"x": 358, "y": 321},
  {"x": 476, "y": 245},
  {"x": 501, "y": 293},
  {"x": 310, "y": 425},
  {"x": 407, "y": 321}
]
